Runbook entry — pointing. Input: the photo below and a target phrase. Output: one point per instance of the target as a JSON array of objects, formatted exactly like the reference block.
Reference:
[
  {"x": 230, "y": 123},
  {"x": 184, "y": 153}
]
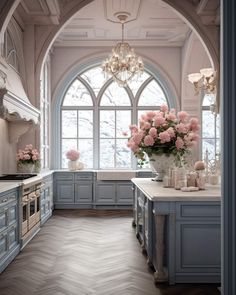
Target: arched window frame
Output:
[{"x": 162, "y": 79}]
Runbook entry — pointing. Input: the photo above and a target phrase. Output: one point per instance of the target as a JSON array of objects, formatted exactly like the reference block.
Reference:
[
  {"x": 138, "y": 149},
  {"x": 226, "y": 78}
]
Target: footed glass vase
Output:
[{"x": 160, "y": 165}]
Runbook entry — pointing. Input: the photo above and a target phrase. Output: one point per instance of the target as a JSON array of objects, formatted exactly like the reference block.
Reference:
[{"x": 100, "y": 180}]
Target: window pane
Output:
[
  {"x": 66, "y": 145},
  {"x": 152, "y": 95},
  {"x": 218, "y": 150},
  {"x": 123, "y": 120},
  {"x": 77, "y": 95},
  {"x": 86, "y": 124},
  {"x": 86, "y": 152},
  {"x": 69, "y": 124},
  {"x": 95, "y": 78},
  {"x": 135, "y": 84},
  {"x": 208, "y": 99},
  {"x": 208, "y": 124},
  {"x": 107, "y": 124},
  {"x": 123, "y": 154},
  {"x": 107, "y": 151},
  {"x": 115, "y": 96},
  {"x": 218, "y": 126},
  {"x": 209, "y": 144}
]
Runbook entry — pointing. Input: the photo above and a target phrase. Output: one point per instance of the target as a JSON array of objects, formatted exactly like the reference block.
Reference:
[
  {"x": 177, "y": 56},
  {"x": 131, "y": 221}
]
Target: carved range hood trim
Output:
[{"x": 15, "y": 106}]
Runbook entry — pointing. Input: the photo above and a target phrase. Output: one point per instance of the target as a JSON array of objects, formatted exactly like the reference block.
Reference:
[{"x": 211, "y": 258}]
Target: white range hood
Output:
[{"x": 15, "y": 106}]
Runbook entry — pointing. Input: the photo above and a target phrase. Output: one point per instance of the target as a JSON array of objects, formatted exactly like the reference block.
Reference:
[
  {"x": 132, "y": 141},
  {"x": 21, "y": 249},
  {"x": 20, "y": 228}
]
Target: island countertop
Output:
[{"x": 155, "y": 191}]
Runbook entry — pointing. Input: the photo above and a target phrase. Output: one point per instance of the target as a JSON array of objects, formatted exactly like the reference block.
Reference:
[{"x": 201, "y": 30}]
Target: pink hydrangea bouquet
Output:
[
  {"x": 73, "y": 155},
  {"x": 28, "y": 155},
  {"x": 163, "y": 132}
]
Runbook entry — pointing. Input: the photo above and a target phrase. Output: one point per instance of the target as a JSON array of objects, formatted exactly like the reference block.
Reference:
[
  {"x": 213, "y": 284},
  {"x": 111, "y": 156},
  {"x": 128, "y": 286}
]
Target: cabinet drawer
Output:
[
  {"x": 84, "y": 176},
  {"x": 198, "y": 210},
  {"x": 64, "y": 176},
  {"x": 10, "y": 197},
  {"x": 12, "y": 213}
]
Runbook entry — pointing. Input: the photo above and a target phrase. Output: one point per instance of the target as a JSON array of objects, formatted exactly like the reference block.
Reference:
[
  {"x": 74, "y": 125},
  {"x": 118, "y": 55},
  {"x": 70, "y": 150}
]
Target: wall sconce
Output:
[{"x": 205, "y": 80}]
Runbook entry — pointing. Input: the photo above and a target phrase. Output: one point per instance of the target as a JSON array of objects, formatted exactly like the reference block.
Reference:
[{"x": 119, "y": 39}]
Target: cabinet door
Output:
[
  {"x": 83, "y": 192},
  {"x": 12, "y": 237},
  {"x": 3, "y": 219},
  {"x": 64, "y": 192},
  {"x": 105, "y": 193},
  {"x": 3, "y": 244},
  {"x": 124, "y": 193},
  {"x": 12, "y": 213}
]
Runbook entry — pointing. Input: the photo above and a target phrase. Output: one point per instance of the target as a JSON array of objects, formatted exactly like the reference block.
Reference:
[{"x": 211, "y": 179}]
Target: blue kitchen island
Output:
[{"x": 179, "y": 231}]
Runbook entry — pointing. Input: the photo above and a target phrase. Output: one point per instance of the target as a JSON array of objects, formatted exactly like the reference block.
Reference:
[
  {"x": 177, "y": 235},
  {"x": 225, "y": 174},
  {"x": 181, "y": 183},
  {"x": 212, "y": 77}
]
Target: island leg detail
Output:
[{"x": 160, "y": 275}]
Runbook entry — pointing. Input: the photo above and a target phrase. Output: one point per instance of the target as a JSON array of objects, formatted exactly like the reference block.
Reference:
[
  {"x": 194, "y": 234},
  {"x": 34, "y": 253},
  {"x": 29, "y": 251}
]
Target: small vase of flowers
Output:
[
  {"x": 72, "y": 156},
  {"x": 28, "y": 159},
  {"x": 163, "y": 133}
]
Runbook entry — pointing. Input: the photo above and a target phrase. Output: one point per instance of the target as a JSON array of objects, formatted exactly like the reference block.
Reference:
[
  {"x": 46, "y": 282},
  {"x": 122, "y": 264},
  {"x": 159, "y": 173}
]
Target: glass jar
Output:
[
  {"x": 201, "y": 180},
  {"x": 180, "y": 178}
]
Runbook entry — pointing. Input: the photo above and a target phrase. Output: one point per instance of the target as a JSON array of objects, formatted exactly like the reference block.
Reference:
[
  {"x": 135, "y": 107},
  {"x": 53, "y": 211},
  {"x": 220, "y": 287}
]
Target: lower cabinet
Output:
[
  {"x": 9, "y": 227},
  {"x": 81, "y": 190},
  {"x": 114, "y": 193},
  {"x": 46, "y": 198},
  {"x": 73, "y": 190}
]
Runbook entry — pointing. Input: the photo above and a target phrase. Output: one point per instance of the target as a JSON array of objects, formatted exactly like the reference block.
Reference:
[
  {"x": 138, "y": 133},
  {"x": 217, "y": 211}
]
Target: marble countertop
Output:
[
  {"x": 155, "y": 191},
  {"x": 5, "y": 186}
]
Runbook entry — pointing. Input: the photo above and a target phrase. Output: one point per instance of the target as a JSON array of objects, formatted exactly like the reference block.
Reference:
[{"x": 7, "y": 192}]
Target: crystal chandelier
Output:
[
  {"x": 205, "y": 80},
  {"x": 123, "y": 64}
]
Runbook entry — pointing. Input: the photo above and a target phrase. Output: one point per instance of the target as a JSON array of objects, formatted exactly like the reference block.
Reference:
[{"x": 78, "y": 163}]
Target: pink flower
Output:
[
  {"x": 179, "y": 143},
  {"x": 29, "y": 147},
  {"x": 72, "y": 155},
  {"x": 164, "y": 137},
  {"x": 144, "y": 117},
  {"x": 158, "y": 120},
  {"x": 26, "y": 157},
  {"x": 153, "y": 132},
  {"x": 146, "y": 125},
  {"x": 148, "y": 140},
  {"x": 181, "y": 128},
  {"x": 34, "y": 157},
  {"x": 164, "y": 108},
  {"x": 137, "y": 138},
  {"x": 133, "y": 128},
  {"x": 183, "y": 116},
  {"x": 170, "y": 117},
  {"x": 194, "y": 126},
  {"x": 171, "y": 131},
  {"x": 150, "y": 115},
  {"x": 131, "y": 144}
]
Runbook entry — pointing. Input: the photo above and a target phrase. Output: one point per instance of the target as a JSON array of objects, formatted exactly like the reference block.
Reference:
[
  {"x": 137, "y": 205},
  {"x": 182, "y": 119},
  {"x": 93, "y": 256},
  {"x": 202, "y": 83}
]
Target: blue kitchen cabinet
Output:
[
  {"x": 105, "y": 192},
  {"x": 73, "y": 190},
  {"x": 9, "y": 227},
  {"x": 124, "y": 193}
]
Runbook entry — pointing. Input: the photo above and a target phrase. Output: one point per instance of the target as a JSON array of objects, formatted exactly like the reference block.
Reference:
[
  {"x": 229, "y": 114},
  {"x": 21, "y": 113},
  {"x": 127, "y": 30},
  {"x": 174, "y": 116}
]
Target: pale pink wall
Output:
[
  {"x": 7, "y": 150},
  {"x": 166, "y": 60}
]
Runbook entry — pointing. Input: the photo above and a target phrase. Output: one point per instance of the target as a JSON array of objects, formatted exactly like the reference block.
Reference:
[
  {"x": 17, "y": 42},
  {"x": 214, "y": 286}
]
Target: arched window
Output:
[
  {"x": 96, "y": 112},
  {"x": 210, "y": 129}
]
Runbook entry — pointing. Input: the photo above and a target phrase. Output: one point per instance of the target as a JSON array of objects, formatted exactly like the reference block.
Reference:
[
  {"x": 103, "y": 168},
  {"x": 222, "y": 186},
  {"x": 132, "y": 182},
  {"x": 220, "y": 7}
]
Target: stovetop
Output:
[{"x": 16, "y": 176}]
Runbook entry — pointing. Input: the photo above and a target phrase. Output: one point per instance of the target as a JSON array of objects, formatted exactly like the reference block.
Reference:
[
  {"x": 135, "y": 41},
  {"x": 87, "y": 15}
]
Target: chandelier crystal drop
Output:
[{"x": 123, "y": 64}]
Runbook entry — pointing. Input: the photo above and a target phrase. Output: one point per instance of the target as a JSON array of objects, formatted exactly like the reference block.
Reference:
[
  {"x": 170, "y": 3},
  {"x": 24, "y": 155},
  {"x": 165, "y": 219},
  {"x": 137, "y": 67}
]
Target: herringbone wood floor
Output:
[{"x": 86, "y": 253}]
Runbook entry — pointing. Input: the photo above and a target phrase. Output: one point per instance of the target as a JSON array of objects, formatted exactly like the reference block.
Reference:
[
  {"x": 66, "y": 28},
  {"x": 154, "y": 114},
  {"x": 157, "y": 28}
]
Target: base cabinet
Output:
[
  {"x": 114, "y": 193},
  {"x": 9, "y": 227},
  {"x": 73, "y": 190}
]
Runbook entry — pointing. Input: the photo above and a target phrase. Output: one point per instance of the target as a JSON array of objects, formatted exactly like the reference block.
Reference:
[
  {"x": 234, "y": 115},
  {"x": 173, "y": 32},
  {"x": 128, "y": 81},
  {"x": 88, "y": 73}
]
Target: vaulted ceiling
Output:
[{"x": 150, "y": 22}]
